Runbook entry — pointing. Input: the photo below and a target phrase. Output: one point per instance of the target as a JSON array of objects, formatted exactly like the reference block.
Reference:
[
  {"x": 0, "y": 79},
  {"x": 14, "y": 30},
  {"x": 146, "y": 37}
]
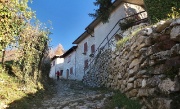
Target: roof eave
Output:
[
  {"x": 95, "y": 22},
  {"x": 80, "y": 38},
  {"x": 69, "y": 51}
]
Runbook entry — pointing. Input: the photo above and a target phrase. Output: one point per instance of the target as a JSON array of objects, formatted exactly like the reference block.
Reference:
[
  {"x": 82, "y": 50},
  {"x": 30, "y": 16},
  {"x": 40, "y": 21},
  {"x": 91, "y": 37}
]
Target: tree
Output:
[
  {"x": 32, "y": 46},
  {"x": 166, "y": 9},
  {"x": 13, "y": 17},
  {"x": 30, "y": 39},
  {"x": 103, "y": 11},
  {"x": 59, "y": 50}
]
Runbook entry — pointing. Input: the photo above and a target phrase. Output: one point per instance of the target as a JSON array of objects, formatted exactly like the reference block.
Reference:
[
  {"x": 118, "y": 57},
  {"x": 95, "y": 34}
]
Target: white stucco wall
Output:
[
  {"x": 102, "y": 30},
  {"x": 80, "y": 57},
  {"x": 69, "y": 64},
  {"x": 58, "y": 66}
]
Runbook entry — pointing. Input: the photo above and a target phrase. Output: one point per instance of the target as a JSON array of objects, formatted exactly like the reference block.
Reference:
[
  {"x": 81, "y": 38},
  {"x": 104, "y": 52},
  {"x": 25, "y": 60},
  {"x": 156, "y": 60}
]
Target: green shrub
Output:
[
  {"x": 161, "y": 9},
  {"x": 121, "y": 42}
]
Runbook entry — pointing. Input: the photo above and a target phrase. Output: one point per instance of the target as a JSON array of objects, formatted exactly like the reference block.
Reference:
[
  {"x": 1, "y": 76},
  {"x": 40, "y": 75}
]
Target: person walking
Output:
[{"x": 57, "y": 74}]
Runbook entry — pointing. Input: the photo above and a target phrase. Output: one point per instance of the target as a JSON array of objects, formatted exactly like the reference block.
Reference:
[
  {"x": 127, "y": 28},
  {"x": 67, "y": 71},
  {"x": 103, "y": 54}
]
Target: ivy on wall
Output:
[{"x": 162, "y": 9}]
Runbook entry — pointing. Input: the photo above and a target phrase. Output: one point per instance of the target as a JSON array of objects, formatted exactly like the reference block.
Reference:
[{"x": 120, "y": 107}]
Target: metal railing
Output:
[{"x": 100, "y": 47}]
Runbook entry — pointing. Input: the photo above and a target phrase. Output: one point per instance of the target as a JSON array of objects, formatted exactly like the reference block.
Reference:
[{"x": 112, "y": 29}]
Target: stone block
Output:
[
  {"x": 168, "y": 86},
  {"x": 133, "y": 71},
  {"x": 134, "y": 63},
  {"x": 138, "y": 83},
  {"x": 141, "y": 73},
  {"x": 162, "y": 25},
  {"x": 145, "y": 92},
  {"x": 133, "y": 93},
  {"x": 161, "y": 103},
  {"x": 130, "y": 80},
  {"x": 144, "y": 83},
  {"x": 130, "y": 86},
  {"x": 148, "y": 41},
  {"x": 175, "y": 33},
  {"x": 175, "y": 22},
  {"x": 153, "y": 82}
]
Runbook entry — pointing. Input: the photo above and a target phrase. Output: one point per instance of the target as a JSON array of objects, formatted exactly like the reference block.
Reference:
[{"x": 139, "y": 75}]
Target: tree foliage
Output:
[
  {"x": 29, "y": 39},
  {"x": 156, "y": 9},
  {"x": 103, "y": 11},
  {"x": 162, "y": 9}
]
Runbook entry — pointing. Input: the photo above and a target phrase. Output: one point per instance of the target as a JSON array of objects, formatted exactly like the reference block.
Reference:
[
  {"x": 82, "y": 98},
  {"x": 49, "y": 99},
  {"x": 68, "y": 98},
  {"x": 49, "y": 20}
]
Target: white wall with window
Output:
[
  {"x": 87, "y": 45},
  {"x": 84, "y": 55},
  {"x": 69, "y": 71},
  {"x": 56, "y": 64}
]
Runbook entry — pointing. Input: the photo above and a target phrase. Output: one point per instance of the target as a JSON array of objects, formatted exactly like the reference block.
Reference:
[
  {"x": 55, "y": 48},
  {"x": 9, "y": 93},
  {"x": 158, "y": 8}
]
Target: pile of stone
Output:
[{"x": 145, "y": 67}]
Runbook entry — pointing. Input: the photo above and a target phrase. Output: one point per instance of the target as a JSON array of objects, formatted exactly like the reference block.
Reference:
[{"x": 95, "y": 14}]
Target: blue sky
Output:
[{"x": 69, "y": 18}]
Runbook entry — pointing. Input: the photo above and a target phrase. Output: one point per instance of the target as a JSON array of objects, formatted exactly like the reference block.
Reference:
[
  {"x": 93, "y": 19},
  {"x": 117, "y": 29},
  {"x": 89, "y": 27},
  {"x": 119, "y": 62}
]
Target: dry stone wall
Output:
[{"x": 146, "y": 67}]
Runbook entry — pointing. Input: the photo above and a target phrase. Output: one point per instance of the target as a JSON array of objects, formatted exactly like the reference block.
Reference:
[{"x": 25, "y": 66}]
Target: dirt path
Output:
[{"x": 74, "y": 95}]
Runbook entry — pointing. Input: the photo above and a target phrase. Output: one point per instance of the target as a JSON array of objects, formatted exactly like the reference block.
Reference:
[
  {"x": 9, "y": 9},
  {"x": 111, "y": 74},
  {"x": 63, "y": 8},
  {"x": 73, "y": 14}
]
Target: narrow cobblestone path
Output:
[{"x": 74, "y": 95}]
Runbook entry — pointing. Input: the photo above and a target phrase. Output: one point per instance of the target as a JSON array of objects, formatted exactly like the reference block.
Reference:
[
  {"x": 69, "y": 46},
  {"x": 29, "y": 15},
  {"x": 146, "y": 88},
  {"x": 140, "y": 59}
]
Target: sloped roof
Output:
[
  {"x": 90, "y": 27},
  {"x": 54, "y": 57},
  {"x": 69, "y": 51}
]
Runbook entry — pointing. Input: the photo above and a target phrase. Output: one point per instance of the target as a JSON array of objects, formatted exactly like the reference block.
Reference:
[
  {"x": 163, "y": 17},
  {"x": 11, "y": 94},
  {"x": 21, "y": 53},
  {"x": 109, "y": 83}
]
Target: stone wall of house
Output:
[{"x": 146, "y": 67}]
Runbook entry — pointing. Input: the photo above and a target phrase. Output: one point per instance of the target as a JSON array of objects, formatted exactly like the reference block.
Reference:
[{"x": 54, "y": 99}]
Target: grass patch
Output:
[
  {"x": 15, "y": 94},
  {"x": 123, "y": 41},
  {"x": 121, "y": 101}
]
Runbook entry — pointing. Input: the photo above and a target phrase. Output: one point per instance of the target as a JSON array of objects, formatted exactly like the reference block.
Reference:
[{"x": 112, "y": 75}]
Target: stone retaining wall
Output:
[{"x": 146, "y": 67}]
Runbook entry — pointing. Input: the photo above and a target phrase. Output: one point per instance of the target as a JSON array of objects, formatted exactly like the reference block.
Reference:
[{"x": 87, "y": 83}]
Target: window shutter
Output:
[
  {"x": 85, "y": 47},
  {"x": 71, "y": 70},
  {"x": 92, "y": 48}
]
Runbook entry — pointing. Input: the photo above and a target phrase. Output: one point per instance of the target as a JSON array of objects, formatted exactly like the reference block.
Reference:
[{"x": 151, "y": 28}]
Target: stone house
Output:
[
  {"x": 56, "y": 60},
  {"x": 56, "y": 64},
  {"x": 97, "y": 35},
  {"x": 69, "y": 66}
]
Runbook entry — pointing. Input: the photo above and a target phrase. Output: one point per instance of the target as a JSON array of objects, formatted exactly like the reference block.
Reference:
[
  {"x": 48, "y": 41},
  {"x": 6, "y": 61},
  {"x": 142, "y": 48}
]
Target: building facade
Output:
[
  {"x": 69, "y": 66},
  {"x": 96, "y": 37},
  {"x": 56, "y": 65}
]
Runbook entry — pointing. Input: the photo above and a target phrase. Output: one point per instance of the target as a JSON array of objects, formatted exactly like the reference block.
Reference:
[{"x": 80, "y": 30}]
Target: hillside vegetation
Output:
[{"x": 24, "y": 63}]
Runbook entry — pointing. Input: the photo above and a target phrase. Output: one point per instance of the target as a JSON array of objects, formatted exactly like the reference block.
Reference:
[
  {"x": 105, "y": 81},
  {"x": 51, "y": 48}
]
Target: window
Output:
[
  {"x": 71, "y": 70},
  {"x": 92, "y": 49},
  {"x": 86, "y": 64},
  {"x": 85, "y": 47}
]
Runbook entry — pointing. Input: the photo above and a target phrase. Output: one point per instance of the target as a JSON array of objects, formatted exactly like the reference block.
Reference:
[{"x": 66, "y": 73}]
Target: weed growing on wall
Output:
[
  {"x": 175, "y": 13},
  {"x": 123, "y": 41}
]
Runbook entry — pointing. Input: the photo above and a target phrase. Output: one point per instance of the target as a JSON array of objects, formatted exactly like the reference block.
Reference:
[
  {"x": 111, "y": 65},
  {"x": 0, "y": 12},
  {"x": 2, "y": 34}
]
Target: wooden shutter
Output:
[
  {"x": 85, "y": 47},
  {"x": 71, "y": 70},
  {"x": 92, "y": 48}
]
